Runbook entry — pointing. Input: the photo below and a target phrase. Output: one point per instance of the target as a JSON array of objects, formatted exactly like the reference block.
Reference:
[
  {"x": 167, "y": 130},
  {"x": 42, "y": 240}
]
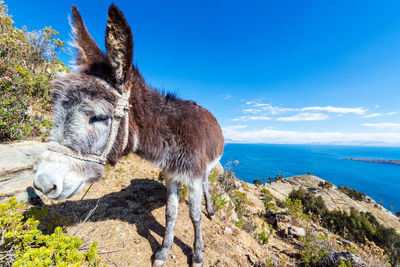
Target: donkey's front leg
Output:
[
  {"x": 170, "y": 216},
  {"x": 196, "y": 193}
]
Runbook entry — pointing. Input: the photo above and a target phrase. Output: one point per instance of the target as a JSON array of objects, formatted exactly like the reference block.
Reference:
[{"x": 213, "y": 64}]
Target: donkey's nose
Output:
[{"x": 47, "y": 185}]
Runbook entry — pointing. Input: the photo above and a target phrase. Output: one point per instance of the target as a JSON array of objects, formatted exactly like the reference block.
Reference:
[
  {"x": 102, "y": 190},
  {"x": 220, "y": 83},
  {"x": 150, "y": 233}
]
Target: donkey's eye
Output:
[{"x": 95, "y": 119}]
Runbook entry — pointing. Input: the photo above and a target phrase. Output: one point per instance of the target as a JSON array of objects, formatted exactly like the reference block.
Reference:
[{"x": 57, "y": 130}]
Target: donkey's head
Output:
[{"x": 85, "y": 107}]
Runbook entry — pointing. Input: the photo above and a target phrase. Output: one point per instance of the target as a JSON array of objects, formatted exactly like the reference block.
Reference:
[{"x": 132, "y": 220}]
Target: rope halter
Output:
[{"x": 121, "y": 110}]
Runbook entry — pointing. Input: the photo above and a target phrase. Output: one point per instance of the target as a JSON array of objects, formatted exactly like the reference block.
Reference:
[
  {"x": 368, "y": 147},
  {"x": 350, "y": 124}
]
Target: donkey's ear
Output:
[
  {"x": 88, "y": 51},
  {"x": 119, "y": 44}
]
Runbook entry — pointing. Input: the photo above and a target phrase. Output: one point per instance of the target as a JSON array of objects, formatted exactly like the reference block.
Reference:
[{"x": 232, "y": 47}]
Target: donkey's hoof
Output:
[
  {"x": 158, "y": 263},
  {"x": 195, "y": 264}
]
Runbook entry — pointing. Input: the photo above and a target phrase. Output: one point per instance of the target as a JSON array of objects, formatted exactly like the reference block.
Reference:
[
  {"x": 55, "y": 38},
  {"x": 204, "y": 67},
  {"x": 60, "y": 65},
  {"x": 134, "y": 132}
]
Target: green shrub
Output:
[
  {"x": 239, "y": 223},
  {"x": 22, "y": 244},
  {"x": 213, "y": 176},
  {"x": 352, "y": 193},
  {"x": 257, "y": 182},
  {"x": 356, "y": 226},
  {"x": 315, "y": 205},
  {"x": 270, "y": 206},
  {"x": 183, "y": 193},
  {"x": 314, "y": 251},
  {"x": 280, "y": 203},
  {"x": 325, "y": 184},
  {"x": 240, "y": 201},
  {"x": 219, "y": 202},
  {"x": 28, "y": 63},
  {"x": 267, "y": 194},
  {"x": 295, "y": 208},
  {"x": 263, "y": 236}
]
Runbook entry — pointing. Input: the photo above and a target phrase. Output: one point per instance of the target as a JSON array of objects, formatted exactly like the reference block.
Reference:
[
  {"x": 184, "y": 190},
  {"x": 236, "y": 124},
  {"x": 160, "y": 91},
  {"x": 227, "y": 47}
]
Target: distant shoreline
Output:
[{"x": 388, "y": 161}]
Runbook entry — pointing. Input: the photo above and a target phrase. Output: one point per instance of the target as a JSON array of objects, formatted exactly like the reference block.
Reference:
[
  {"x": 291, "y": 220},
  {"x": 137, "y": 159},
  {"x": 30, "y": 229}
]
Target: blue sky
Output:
[{"x": 270, "y": 71}]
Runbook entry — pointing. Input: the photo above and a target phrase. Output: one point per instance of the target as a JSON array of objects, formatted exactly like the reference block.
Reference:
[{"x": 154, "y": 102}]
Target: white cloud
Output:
[
  {"x": 278, "y": 110},
  {"x": 305, "y": 117},
  {"x": 251, "y": 118},
  {"x": 251, "y": 110},
  {"x": 294, "y": 137},
  {"x": 359, "y": 110},
  {"x": 382, "y": 125},
  {"x": 252, "y": 102},
  {"x": 373, "y": 115},
  {"x": 226, "y": 96}
]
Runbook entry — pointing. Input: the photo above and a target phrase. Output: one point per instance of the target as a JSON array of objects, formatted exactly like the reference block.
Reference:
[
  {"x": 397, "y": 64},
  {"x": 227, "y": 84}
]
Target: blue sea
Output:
[{"x": 380, "y": 181}]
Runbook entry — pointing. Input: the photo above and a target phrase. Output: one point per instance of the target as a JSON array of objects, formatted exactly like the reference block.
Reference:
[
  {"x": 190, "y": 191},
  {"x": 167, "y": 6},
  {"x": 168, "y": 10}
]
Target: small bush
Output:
[
  {"x": 315, "y": 205},
  {"x": 28, "y": 63},
  {"x": 267, "y": 194},
  {"x": 281, "y": 204},
  {"x": 22, "y": 244},
  {"x": 270, "y": 206},
  {"x": 295, "y": 208},
  {"x": 239, "y": 223},
  {"x": 246, "y": 224},
  {"x": 183, "y": 193},
  {"x": 356, "y": 226},
  {"x": 240, "y": 201},
  {"x": 257, "y": 182},
  {"x": 262, "y": 236},
  {"x": 219, "y": 202},
  {"x": 325, "y": 184},
  {"x": 315, "y": 252},
  {"x": 352, "y": 193},
  {"x": 213, "y": 176}
]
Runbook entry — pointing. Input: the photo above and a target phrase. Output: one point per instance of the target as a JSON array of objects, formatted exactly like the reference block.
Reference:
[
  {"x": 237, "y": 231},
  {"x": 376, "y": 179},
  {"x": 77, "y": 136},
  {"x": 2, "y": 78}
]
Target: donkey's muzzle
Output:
[{"x": 47, "y": 186}]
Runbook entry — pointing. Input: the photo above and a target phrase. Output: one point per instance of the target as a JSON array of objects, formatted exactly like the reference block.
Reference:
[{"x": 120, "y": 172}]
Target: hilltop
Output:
[{"x": 255, "y": 225}]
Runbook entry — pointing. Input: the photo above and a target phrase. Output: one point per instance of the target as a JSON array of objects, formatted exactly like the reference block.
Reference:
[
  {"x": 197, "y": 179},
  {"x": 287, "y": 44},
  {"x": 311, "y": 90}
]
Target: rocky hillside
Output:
[{"x": 125, "y": 214}]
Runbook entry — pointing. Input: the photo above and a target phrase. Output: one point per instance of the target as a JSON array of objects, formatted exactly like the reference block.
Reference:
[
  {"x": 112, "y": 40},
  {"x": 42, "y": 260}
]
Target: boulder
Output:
[
  {"x": 17, "y": 169},
  {"x": 296, "y": 231},
  {"x": 336, "y": 257}
]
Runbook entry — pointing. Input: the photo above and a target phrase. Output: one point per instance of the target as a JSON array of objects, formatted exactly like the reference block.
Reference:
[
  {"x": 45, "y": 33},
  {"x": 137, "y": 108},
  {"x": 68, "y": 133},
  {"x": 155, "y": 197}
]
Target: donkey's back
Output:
[{"x": 180, "y": 136}]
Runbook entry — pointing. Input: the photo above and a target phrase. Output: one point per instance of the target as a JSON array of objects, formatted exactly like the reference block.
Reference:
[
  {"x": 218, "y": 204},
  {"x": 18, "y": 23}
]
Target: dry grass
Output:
[{"x": 129, "y": 222}]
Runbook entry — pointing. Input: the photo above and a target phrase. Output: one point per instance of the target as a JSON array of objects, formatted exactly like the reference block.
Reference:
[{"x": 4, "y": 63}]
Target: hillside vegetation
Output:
[
  {"x": 28, "y": 63},
  {"x": 297, "y": 221}
]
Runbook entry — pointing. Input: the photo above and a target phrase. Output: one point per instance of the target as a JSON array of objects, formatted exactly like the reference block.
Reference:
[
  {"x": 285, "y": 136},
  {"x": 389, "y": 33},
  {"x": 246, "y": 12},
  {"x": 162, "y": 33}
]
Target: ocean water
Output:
[{"x": 378, "y": 180}]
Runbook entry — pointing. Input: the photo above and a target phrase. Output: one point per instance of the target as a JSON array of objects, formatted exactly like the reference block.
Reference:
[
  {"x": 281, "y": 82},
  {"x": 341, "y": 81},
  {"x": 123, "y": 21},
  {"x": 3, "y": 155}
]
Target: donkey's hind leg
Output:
[
  {"x": 210, "y": 210},
  {"x": 170, "y": 216},
  {"x": 195, "y": 197}
]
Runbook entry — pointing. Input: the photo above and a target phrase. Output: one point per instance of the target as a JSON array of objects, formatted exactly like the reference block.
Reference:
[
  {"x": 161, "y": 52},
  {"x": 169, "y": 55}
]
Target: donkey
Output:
[{"x": 107, "y": 110}]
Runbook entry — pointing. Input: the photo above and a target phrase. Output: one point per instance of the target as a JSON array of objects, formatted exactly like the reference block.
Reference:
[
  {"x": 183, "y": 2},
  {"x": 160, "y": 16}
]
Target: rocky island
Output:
[{"x": 389, "y": 161}]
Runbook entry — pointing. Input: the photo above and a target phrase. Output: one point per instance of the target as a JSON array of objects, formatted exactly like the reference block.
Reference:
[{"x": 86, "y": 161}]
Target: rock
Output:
[
  {"x": 335, "y": 258},
  {"x": 17, "y": 168},
  {"x": 219, "y": 168},
  {"x": 228, "y": 231},
  {"x": 296, "y": 231}
]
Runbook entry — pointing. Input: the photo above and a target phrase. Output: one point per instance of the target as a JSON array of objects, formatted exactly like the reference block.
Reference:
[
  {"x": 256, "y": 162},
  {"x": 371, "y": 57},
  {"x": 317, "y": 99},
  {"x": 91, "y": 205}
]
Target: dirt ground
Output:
[{"x": 129, "y": 217}]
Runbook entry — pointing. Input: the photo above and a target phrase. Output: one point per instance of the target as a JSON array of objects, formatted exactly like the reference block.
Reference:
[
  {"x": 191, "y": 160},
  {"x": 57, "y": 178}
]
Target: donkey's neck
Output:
[{"x": 150, "y": 114}]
